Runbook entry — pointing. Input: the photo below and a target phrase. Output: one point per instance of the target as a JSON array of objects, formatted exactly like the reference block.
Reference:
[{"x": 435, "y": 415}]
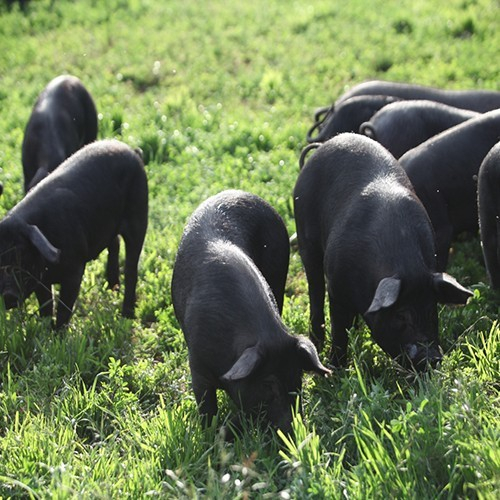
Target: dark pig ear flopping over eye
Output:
[
  {"x": 386, "y": 294},
  {"x": 245, "y": 364},
  {"x": 42, "y": 244}
]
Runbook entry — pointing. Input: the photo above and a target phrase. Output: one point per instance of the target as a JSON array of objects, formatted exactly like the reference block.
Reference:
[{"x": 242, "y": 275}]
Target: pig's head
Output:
[
  {"x": 24, "y": 254},
  {"x": 266, "y": 380},
  {"x": 403, "y": 317}
]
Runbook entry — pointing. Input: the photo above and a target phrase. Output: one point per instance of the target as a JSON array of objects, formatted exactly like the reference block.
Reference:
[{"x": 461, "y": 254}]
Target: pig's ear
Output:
[
  {"x": 244, "y": 365},
  {"x": 42, "y": 244},
  {"x": 309, "y": 358},
  {"x": 449, "y": 290},
  {"x": 386, "y": 294}
]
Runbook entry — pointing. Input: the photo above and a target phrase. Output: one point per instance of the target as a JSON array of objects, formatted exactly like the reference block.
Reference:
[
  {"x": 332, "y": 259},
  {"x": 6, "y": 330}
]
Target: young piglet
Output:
[
  {"x": 232, "y": 244},
  {"x": 489, "y": 213},
  {"x": 63, "y": 120},
  {"x": 68, "y": 219},
  {"x": 360, "y": 225}
]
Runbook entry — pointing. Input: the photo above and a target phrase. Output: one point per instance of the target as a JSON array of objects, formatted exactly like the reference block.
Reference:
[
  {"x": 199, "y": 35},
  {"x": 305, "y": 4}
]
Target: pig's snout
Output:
[{"x": 421, "y": 356}]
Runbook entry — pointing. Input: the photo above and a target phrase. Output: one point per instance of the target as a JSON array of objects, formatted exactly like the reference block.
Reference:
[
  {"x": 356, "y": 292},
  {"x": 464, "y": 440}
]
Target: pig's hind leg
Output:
[
  {"x": 133, "y": 232},
  {"x": 312, "y": 257},
  {"x": 112, "y": 267},
  {"x": 490, "y": 236}
]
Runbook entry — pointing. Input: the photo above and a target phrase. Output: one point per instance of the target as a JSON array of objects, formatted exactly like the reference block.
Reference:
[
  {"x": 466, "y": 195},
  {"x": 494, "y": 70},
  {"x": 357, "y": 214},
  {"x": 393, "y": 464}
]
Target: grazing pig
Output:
[
  {"x": 236, "y": 339},
  {"x": 489, "y": 213},
  {"x": 443, "y": 171},
  {"x": 347, "y": 117},
  {"x": 68, "y": 219},
  {"x": 403, "y": 125},
  {"x": 63, "y": 120},
  {"x": 475, "y": 100},
  {"x": 360, "y": 225}
]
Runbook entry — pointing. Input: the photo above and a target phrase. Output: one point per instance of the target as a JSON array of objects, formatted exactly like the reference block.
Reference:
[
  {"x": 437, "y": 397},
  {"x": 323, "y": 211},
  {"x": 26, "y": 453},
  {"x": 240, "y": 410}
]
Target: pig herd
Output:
[{"x": 395, "y": 172}]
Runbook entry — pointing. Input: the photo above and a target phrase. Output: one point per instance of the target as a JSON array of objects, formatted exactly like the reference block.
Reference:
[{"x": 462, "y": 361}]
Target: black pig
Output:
[
  {"x": 489, "y": 213},
  {"x": 67, "y": 220},
  {"x": 228, "y": 312},
  {"x": 63, "y": 120},
  {"x": 360, "y": 225},
  {"x": 403, "y": 125},
  {"x": 475, "y": 100},
  {"x": 443, "y": 171},
  {"x": 347, "y": 116}
]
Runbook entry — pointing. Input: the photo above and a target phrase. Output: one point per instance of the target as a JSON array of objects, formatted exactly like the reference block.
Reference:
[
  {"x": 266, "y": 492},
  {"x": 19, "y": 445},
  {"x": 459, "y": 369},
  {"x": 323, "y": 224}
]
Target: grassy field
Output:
[{"x": 220, "y": 95}]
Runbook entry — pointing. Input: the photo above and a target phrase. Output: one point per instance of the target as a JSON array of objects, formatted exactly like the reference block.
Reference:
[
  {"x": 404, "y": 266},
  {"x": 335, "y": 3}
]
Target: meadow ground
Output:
[{"x": 220, "y": 95}]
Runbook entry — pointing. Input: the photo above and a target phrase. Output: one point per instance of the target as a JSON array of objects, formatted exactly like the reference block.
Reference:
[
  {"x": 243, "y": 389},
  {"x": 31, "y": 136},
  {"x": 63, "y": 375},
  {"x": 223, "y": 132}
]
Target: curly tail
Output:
[
  {"x": 320, "y": 116},
  {"x": 306, "y": 150},
  {"x": 366, "y": 128}
]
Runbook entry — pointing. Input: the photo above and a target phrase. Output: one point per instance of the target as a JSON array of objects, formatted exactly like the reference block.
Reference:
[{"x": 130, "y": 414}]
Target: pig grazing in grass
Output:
[
  {"x": 403, "y": 125},
  {"x": 347, "y": 116},
  {"x": 227, "y": 282},
  {"x": 357, "y": 101},
  {"x": 361, "y": 226},
  {"x": 443, "y": 171},
  {"x": 475, "y": 100},
  {"x": 68, "y": 219},
  {"x": 63, "y": 120},
  {"x": 489, "y": 213}
]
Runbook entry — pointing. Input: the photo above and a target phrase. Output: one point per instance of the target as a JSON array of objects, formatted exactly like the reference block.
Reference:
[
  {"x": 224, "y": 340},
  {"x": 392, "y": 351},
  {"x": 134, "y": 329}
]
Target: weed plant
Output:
[{"x": 220, "y": 95}]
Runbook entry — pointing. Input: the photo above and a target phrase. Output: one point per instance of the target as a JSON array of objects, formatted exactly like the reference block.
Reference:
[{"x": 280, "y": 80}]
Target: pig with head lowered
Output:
[
  {"x": 63, "y": 119},
  {"x": 68, "y": 219},
  {"x": 361, "y": 226},
  {"x": 488, "y": 196},
  {"x": 443, "y": 171},
  {"x": 355, "y": 105},
  {"x": 473, "y": 99},
  {"x": 403, "y": 125},
  {"x": 227, "y": 290},
  {"x": 347, "y": 116}
]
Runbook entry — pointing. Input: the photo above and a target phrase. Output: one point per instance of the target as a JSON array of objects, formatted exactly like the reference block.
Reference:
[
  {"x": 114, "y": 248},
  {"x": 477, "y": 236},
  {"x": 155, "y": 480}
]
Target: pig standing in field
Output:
[
  {"x": 68, "y": 219},
  {"x": 348, "y": 116},
  {"x": 474, "y": 100},
  {"x": 63, "y": 120},
  {"x": 443, "y": 171},
  {"x": 360, "y": 225},
  {"x": 403, "y": 125},
  {"x": 227, "y": 282},
  {"x": 489, "y": 213}
]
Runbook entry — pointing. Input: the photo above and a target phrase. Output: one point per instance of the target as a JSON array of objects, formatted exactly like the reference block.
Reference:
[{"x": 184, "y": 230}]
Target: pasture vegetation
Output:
[{"x": 220, "y": 95}]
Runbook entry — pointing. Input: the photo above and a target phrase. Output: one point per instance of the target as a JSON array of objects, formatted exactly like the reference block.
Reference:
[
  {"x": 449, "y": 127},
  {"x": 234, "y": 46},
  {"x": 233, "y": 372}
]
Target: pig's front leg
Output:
[
  {"x": 341, "y": 319},
  {"x": 206, "y": 398},
  {"x": 44, "y": 296},
  {"x": 70, "y": 287}
]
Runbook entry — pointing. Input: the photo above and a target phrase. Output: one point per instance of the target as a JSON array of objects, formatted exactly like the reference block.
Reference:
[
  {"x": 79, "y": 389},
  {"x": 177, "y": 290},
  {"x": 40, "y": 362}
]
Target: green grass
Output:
[{"x": 219, "y": 95}]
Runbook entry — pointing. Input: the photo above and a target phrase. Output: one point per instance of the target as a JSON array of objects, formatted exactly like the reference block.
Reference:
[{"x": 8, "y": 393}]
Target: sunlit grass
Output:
[{"x": 221, "y": 95}]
